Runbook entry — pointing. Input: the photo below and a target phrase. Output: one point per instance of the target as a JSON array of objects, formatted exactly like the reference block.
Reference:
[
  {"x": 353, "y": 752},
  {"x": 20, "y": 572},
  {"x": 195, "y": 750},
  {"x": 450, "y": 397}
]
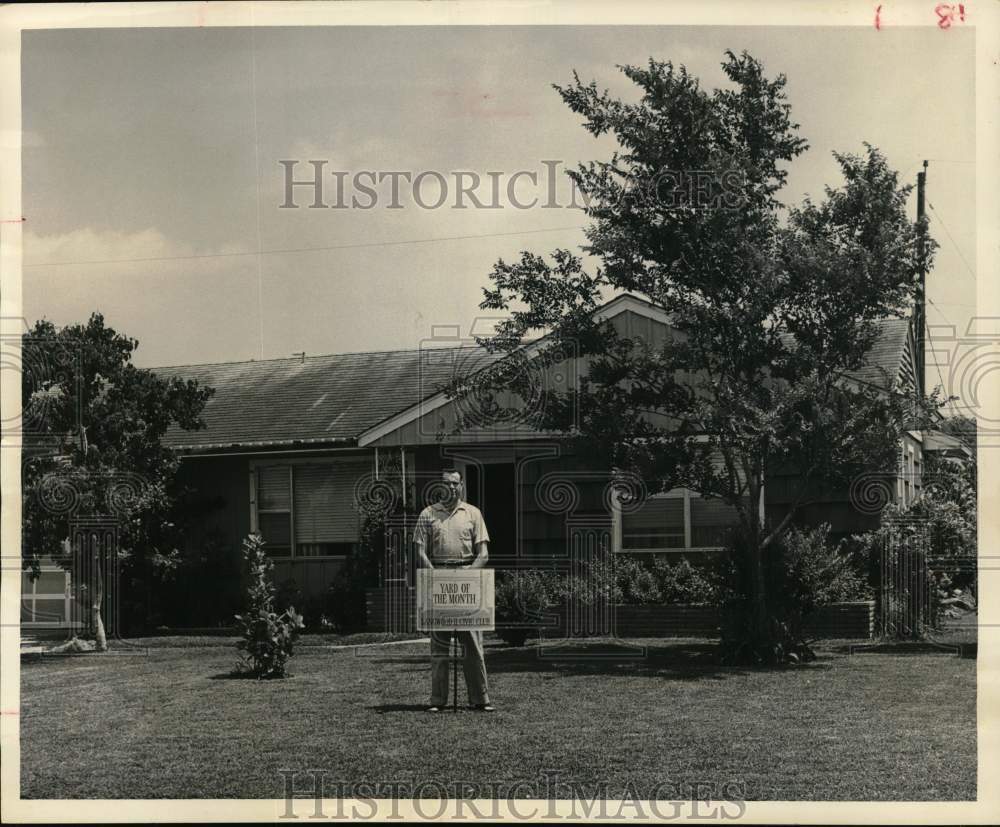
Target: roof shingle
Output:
[
  {"x": 336, "y": 398},
  {"x": 317, "y": 398}
]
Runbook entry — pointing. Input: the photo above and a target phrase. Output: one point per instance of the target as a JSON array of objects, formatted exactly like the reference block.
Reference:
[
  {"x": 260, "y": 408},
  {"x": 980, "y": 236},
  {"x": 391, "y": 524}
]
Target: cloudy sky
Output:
[{"x": 152, "y": 184}]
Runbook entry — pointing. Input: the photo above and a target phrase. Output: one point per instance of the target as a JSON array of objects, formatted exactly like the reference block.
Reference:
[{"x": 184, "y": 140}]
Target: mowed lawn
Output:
[{"x": 168, "y": 724}]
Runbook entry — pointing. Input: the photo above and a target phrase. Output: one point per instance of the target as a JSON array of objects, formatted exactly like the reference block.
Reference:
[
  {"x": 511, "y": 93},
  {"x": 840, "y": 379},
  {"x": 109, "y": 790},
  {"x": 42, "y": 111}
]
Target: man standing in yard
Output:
[{"x": 451, "y": 534}]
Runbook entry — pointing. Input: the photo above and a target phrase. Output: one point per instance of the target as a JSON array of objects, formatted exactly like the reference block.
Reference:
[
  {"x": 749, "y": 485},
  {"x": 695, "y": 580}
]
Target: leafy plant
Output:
[
  {"x": 522, "y": 598},
  {"x": 682, "y": 582},
  {"x": 802, "y": 572},
  {"x": 771, "y": 305},
  {"x": 93, "y": 446},
  {"x": 268, "y": 637},
  {"x": 940, "y": 523},
  {"x": 636, "y": 583},
  {"x": 344, "y": 603}
]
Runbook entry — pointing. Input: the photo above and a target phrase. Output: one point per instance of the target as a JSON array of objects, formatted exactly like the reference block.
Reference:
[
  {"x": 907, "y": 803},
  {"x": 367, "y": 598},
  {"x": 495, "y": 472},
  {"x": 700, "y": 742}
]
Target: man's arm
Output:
[
  {"x": 420, "y": 544},
  {"x": 482, "y": 555},
  {"x": 423, "y": 561},
  {"x": 481, "y": 541}
]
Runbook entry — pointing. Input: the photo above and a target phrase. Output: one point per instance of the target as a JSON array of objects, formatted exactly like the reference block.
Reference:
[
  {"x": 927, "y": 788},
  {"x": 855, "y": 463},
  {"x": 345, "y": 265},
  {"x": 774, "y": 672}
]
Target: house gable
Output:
[{"x": 435, "y": 417}]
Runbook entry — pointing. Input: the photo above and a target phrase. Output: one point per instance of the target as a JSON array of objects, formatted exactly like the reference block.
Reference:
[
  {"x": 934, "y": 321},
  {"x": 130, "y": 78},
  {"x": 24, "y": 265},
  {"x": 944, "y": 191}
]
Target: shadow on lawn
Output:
[
  {"x": 238, "y": 675},
  {"x": 383, "y": 708},
  {"x": 675, "y": 661}
]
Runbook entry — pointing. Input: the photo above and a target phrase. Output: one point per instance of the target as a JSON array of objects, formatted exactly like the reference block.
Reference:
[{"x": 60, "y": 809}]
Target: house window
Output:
[
  {"x": 274, "y": 509},
  {"x": 307, "y": 510},
  {"x": 909, "y": 475},
  {"x": 45, "y": 601},
  {"x": 659, "y": 524},
  {"x": 711, "y": 522},
  {"x": 678, "y": 520}
]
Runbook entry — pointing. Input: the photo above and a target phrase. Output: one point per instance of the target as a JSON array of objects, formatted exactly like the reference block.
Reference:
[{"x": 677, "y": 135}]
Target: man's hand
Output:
[{"x": 481, "y": 557}]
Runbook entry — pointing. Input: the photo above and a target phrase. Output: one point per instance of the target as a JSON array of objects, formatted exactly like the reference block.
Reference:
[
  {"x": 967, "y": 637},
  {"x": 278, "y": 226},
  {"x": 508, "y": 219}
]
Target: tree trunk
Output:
[
  {"x": 760, "y": 627},
  {"x": 100, "y": 640}
]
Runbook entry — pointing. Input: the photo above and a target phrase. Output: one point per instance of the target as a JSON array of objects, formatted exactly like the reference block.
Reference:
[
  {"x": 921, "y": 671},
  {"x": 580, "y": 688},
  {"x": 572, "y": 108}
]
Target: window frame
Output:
[
  {"x": 618, "y": 526},
  {"x": 34, "y": 595},
  {"x": 255, "y": 511}
]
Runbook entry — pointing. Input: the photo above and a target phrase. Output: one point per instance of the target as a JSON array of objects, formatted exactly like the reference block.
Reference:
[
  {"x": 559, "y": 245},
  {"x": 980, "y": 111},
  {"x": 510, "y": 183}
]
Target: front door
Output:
[{"x": 491, "y": 487}]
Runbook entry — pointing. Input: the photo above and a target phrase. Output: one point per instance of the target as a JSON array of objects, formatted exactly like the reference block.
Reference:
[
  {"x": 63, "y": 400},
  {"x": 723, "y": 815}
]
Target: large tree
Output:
[
  {"x": 772, "y": 307},
  {"x": 93, "y": 429}
]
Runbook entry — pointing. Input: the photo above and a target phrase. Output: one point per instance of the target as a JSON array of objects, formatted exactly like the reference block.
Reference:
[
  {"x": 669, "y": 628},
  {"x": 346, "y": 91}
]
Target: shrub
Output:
[
  {"x": 595, "y": 582},
  {"x": 344, "y": 605},
  {"x": 522, "y": 598},
  {"x": 268, "y": 637},
  {"x": 809, "y": 571},
  {"x": 801, "y": 571},
  {"x": 681, "y": 582},
  {"x": 637, "y": 585},
  {"x": 941, "y": 524},
  {"x": 663, "y": 580}
]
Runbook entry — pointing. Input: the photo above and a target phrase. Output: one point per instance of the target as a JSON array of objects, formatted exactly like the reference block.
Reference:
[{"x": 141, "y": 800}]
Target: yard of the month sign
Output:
[{"x": 455, "y": 600}]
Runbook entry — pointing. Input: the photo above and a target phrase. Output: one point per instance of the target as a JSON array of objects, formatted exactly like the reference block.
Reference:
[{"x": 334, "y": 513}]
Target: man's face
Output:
[{"x": 453, "y": 489}]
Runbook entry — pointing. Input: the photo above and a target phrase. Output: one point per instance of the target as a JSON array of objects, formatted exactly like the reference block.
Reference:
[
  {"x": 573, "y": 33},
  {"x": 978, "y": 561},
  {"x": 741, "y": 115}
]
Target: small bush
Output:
[
  {"x": 681, "y": 582},
  {"x": 344, "y": 605},
  {"x": 522, "y": 598},
  {"x": 810, "y": 571},
  {"x": 596, "y": 582},
  {"x": 801, "y": 571},
  {"x": 268, "y": 637},
  {"x": 636, "y": 583},
  {"x": 664, "y": 580}
]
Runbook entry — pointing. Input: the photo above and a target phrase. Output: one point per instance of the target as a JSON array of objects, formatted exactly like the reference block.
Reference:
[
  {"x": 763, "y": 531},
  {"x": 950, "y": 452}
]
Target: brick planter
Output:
[
  {"x": 838, "y": 620},
  {"x": 675, "y": 620}
]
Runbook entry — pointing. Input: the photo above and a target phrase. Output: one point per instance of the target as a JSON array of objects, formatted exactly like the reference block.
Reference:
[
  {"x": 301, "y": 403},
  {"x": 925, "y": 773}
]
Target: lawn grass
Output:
[{"x": 168, "y": 724}]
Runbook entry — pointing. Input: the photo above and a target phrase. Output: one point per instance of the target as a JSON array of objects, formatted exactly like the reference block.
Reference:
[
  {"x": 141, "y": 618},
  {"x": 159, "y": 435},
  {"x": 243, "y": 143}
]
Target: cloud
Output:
[{"x": 85, "y": 245}]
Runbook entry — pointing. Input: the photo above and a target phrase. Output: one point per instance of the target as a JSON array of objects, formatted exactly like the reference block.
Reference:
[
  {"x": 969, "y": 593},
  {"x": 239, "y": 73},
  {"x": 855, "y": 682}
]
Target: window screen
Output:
[
  {"x": 711, "y": 522},
  {"x": 324, "y": 503},
  {"x": 658, "y": 524},
  {"x": 273, "y": 490}
]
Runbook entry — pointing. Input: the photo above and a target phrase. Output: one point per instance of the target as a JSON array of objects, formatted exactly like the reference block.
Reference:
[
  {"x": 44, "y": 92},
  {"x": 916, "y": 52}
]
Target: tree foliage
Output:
[
  {"x": 772, "y": 308},
  {"x": 93, "y": 446}
]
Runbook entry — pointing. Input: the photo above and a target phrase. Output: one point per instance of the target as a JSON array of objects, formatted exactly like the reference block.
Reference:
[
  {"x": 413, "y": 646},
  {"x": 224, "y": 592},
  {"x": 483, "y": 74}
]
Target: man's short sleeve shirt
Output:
[{"x": 451, "y": 536}]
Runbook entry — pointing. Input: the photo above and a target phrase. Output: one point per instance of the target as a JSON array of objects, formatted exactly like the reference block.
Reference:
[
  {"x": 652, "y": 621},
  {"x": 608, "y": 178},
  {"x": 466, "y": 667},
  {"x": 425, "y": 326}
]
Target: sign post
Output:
[{"x": 455, "y": 600}]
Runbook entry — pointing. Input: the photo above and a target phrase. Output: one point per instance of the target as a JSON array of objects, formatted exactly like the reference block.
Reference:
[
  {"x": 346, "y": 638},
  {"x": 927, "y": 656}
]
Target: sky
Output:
[{"x": 152, "y": 187}]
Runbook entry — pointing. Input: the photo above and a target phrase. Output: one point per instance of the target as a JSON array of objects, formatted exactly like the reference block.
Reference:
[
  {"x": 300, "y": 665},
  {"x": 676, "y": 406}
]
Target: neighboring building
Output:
[{"x": 293, "y": 446}]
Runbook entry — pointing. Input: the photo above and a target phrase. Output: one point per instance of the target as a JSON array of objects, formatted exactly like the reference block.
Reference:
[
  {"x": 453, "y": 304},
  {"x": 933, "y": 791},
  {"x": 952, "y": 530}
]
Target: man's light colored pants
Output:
[{"x": 472, "y": 663}]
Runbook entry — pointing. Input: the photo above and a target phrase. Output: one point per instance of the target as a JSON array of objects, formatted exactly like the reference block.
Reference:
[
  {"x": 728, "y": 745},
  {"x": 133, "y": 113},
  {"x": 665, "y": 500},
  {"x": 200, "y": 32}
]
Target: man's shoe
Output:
[
  {"x": 433, "y": 709},
  {"x": 484, "y": 708}
]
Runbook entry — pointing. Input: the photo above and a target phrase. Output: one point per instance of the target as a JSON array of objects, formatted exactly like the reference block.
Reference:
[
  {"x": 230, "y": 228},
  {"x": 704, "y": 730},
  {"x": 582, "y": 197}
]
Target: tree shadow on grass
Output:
[
  {"x": 238, "y": 675},
  {"x": 381, "y": 709},
  {"x": 673, "y": 660},
  {"x": 662, "y": 659}
]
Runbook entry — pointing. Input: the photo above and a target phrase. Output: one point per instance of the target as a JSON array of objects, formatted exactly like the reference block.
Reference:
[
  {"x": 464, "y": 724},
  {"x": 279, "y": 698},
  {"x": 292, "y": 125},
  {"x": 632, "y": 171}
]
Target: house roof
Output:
[
  {"x": 315, "y": 399},
  {"x": 890, "y": 356},
  {"x": 343, "y": 398},
  {"x": 947, "y": 444}
]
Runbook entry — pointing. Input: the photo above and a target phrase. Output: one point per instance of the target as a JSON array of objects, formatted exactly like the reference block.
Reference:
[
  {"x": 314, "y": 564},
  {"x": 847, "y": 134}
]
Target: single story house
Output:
[{"x": 297, "y": 448}]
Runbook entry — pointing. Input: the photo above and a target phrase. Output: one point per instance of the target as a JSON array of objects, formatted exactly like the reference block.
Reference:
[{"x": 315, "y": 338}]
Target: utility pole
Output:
[{"x": 920, "y": 313}]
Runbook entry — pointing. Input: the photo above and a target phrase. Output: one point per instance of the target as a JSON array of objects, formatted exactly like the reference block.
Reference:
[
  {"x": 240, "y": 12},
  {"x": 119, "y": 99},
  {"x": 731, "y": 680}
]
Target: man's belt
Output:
[{"x": 452, "y": 564}]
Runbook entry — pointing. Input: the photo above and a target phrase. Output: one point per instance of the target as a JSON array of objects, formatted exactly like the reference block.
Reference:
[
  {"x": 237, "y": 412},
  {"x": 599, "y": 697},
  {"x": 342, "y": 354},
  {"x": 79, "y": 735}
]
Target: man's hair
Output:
[{"x": 446, "y": 472}]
